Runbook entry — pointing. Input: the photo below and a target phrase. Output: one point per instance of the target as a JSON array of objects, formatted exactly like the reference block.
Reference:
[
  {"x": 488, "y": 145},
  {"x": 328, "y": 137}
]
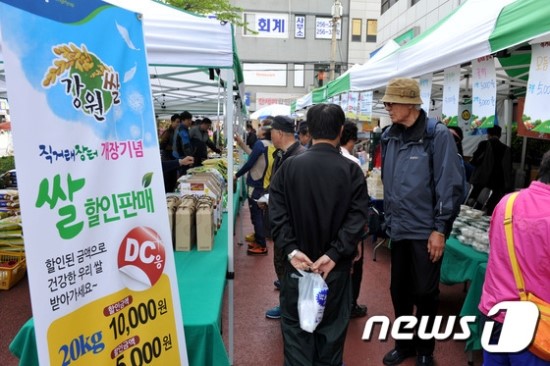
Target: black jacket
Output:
[
  {"x": 318, "y": 203},
  {"x": 493, "y": 166},
  {"x": 279, "y": 156}
]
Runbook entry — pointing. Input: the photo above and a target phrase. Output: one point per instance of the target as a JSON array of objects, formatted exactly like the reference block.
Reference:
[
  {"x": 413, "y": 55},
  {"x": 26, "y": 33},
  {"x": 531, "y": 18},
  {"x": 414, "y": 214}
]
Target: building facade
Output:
[
  {"x": 402, "y": 20},
  {"x": 290, "y": 52},
  {"x": 288, "y": 48}
]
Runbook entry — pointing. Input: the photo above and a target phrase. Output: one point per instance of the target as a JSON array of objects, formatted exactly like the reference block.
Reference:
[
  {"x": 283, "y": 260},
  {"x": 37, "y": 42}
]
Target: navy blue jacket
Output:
[{"x": 417, "y": 202}]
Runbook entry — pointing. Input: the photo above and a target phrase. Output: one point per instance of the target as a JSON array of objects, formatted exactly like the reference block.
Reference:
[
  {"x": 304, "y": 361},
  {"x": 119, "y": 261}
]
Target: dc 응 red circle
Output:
[{"x": 141, "y": 258}]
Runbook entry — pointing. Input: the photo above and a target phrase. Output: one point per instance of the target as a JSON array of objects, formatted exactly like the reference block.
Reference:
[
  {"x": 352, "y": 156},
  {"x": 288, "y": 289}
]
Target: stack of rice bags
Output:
[{"x": 11, "y": 234}]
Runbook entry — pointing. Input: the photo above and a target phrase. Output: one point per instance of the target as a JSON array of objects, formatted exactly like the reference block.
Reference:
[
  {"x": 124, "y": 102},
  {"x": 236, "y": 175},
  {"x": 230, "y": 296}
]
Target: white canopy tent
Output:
[
  {"x": 193, "y": 65},
  {"x": 188, "y": 56},
  {"x": 475, "y": 29}
]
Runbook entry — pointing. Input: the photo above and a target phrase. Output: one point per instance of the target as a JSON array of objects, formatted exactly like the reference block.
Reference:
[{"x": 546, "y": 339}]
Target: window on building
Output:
[
  {"x": 372, "y": 30},
  {"x": 356, "y": 27},
  {"x": 299, "y": 75},
  {"x": 386, "y": 4}
]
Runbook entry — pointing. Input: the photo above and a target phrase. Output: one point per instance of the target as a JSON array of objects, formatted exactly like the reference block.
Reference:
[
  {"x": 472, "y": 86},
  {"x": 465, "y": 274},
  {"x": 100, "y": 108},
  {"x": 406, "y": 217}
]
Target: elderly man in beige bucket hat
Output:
[
  {"x": 404, "y": 94},
  {"x": 422, "y": 179}
]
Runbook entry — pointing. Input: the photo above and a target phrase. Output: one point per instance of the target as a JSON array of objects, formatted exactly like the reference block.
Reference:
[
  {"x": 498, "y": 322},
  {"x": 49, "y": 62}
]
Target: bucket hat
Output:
[{"x": 402, "y": 91}]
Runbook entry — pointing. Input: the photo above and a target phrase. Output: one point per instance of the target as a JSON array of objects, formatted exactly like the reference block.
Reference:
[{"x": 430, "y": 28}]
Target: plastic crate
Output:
[{"x": 9, "y": 276}]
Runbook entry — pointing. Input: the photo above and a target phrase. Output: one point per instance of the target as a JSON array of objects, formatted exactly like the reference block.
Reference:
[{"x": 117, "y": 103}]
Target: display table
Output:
[
  {"x": 470, "y": 308},
  {"x": 460, "y": 262},
  {"x": 463, "y": 263},
  {"x": 201, "y": 280}
]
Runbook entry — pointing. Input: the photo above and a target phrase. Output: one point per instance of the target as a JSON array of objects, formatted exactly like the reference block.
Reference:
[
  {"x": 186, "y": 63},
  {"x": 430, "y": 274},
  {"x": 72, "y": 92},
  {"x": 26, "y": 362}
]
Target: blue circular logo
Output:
[{"x": 322, "y": 297}]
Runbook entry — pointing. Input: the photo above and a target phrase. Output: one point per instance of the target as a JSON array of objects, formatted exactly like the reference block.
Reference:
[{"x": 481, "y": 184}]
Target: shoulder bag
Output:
[{"x": 541, "y": 342}]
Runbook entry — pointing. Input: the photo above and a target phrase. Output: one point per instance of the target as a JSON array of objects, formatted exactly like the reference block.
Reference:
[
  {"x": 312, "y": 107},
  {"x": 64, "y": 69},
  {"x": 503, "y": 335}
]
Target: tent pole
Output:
[
  {"x": 218, "y": 127},
  {"x": 229, "y": 119},
  {"x": 523, "y": 154},
  {"x": 508, "y": 120}
]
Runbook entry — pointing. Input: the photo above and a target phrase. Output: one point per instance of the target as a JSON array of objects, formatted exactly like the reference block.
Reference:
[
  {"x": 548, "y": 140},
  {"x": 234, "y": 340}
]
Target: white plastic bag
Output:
[{"x": 313, "y": 291}]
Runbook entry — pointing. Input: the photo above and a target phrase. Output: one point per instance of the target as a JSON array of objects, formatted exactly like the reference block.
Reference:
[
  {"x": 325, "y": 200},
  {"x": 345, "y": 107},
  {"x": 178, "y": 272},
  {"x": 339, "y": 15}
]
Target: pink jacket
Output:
[{"x": 532, "y": 244}]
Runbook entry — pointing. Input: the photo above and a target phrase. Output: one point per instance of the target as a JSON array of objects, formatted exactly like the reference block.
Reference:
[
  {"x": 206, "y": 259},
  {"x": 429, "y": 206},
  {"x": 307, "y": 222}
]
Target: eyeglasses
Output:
[{"x": 388, "y": 104}]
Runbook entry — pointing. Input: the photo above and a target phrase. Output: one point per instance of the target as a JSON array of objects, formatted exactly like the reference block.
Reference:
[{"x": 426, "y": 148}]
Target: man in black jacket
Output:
[
  {"x": 493, "y": 168},
  {"x": 282, "y": 137},
  {"x": 318, "y": 205},
  {"x": 200, "y": 140}
]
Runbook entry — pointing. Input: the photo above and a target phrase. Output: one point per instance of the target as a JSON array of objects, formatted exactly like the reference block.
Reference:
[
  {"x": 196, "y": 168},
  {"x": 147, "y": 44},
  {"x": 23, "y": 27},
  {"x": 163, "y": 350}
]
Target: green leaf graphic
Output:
[{"x": 146, "y": 180}]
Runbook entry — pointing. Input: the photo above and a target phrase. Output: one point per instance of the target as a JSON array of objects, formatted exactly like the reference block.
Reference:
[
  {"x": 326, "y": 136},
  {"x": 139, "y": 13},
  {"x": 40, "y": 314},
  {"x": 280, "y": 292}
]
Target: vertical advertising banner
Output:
[
  {"x": 536, "y": 115},
  {"x": 353, "y": 100},
  {"x": 365, "y": 110},
  {"x": 484, "y": 92},
  {"x": 344, "y": 101},
  {"x": 451, "y": 91},
  {"x": 426, "y": 92},
  {"x": 98, "y": 245},
  {"x": 522, "y": 130}
]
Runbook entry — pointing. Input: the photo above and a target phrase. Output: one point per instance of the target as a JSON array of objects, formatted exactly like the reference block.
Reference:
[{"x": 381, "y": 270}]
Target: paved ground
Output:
[{"x": 258, "y": 340}]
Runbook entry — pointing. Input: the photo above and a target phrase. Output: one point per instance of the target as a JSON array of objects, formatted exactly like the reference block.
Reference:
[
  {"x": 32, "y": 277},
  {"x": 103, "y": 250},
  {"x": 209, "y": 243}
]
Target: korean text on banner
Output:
[
  {"x": 353, "y": 100},
  {"x": 101, "y": 266},
  {"x": 536, "y": 116},
  {"x": 365, "y": 111},
  {"x": 451, "y": 97},
  {"x": 426, "y": 92},
  {"x": 344, "y": 101},
  {"x": 484, "y": 92}
]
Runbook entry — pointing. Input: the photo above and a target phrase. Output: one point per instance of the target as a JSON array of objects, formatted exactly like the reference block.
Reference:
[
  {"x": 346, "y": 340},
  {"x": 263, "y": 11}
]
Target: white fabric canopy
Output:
[
  {"x": 181, "y": 48},
  {"x": 462, "y": 37},
  {"x": 475, "y": 29},
  {"x": 174, "y": 37}
]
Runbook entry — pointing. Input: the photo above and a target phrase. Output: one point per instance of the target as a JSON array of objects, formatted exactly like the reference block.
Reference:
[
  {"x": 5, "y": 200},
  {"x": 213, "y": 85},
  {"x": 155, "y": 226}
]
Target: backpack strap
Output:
[
  {"x": 428, "y": 140},
  {"x": 430, "y": 127}
]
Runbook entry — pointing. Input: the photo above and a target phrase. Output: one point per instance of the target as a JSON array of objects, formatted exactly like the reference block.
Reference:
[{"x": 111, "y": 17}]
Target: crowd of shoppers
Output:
[
  {"x": 183, "y": 145},
  {"x": 319, "y": 227}
]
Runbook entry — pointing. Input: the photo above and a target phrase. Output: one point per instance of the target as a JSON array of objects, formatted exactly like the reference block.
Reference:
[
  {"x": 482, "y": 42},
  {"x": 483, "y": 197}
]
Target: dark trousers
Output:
[
  {"x": 170, "y": 176},
  {"x": 414, "y": 282},
  {"x": 357, "y": 276},
  {"x": 267, "y": 224},
  {"x": 256, "y": 215},
  {"x": 325, "y": 346},
  {"x": 279, "y": 259}
]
